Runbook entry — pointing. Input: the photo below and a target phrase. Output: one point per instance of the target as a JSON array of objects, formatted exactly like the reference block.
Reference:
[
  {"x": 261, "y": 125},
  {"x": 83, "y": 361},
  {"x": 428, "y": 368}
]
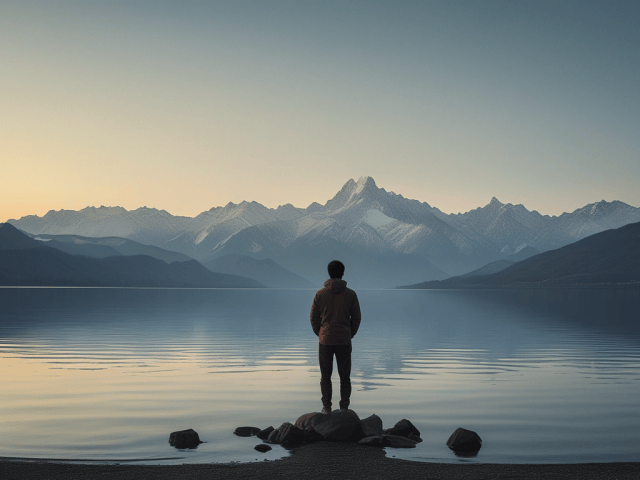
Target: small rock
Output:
[
  {"x": 184, "y": 439},
  {"x": 375, "y": 441},
  {"x": 336, "y": 426},
  {"x": 246, "y": 431},
  {"x": 264, "y": 434},
  {"x": 371, "y": 426},
  {"x": 397, "y": 441},
  {"x": 464, "y": 441},
  {"x": 403, "y": 428},
  {"x": 262, "y": 448}
]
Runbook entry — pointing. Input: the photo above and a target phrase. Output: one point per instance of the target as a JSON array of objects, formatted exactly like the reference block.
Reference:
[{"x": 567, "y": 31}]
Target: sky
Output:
[{"x": 185, "y": 105}]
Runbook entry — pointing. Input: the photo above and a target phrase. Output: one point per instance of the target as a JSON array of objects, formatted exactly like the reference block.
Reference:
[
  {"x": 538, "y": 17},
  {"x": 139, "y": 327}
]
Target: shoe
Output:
[{"x": 326, "y": 410}]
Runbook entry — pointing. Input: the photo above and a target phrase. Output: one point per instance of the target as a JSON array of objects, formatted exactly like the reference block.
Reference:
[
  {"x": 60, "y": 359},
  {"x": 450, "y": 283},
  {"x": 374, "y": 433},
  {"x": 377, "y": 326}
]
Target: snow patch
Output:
[
  {"x": 376, "y": 218},
  {"x": 521, "y": 247}
]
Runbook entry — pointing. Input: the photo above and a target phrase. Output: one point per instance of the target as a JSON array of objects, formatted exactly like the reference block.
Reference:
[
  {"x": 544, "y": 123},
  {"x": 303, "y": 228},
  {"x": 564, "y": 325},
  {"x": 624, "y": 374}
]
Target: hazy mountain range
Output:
[
  {"x": 28, "y": 262},
  {"x": 605, "y": 258},
  {"x": 383, "y": 238}
]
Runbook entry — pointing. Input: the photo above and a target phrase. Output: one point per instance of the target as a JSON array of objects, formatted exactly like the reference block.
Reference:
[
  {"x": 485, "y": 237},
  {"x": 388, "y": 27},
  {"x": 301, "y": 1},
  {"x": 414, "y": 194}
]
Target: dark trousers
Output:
[{"x": 343, "y": 359}]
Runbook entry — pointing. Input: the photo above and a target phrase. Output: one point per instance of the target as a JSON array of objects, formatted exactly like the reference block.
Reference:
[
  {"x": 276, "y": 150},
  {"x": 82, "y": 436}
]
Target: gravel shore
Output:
[{"x": 320, "y": 461}]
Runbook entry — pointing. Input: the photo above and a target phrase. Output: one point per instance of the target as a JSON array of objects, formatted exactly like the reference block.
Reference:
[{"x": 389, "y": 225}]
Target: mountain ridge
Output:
[
  {"x": 361, "y": 220},
  {"x": 28, "y": 262},
  {"x": 611, "y": 257}
]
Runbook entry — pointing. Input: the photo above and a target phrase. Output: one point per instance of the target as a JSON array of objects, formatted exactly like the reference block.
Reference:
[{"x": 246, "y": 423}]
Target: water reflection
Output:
[{"x": 501, "y": 361}]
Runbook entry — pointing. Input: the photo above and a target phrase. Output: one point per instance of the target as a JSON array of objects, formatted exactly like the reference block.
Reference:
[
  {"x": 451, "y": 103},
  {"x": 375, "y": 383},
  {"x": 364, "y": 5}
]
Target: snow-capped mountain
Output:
[
  {"x": 384, "y": 238},
  {"x": 145, "y": 225}
]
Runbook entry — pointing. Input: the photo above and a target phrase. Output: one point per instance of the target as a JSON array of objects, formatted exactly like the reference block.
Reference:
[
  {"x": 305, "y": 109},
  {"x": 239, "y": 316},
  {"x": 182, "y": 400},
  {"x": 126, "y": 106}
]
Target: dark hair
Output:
[{"x": 335, "y": 269}]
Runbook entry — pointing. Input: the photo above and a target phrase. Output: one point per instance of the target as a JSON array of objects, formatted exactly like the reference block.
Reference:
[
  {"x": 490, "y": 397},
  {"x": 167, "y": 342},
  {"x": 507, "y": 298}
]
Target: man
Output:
[{"x": 335, "y": 318}]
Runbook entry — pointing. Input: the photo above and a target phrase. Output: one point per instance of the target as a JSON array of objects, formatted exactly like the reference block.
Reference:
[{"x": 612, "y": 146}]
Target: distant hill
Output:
[
  {"x": 499, "y": 265},
  {"x": 101, "y": 247},
  {"x": 27, "y": 262},
  {"x": 611, "y": 257},
  {"x": 266, "y": 271}
]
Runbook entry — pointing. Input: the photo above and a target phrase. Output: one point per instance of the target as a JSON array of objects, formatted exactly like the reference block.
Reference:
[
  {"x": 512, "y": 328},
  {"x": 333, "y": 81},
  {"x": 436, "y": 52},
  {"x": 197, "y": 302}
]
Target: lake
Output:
[{"x": 543, "y": 376}]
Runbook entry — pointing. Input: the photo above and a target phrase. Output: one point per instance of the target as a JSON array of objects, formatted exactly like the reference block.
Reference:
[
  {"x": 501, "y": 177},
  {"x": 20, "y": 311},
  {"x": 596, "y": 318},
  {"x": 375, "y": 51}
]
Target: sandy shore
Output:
[{"x": 321, "y": 461}]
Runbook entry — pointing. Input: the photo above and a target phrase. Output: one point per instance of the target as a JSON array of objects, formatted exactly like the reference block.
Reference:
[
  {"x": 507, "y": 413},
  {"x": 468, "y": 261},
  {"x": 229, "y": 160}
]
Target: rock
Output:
[
  {"x": 371, "y": 426},
  {"x": 273, "y": 436},
  {"x": 403, "y": 428},
  {"x": 262, "y": 448},
  {"x": 246, "y": 431},
  {"x": 288, "y": 435},
  {"x": 336, "y": 426},
  {"x": 397, "y": 441},
  {"x": 415, "y": 438},
  {"x": 304, "y": 422},
  {"x": 375, "y": 441},
  {"x": 184, "y": 439},
  {"x": 264, "y": 434},
  {"x": 464, "y": 441}
]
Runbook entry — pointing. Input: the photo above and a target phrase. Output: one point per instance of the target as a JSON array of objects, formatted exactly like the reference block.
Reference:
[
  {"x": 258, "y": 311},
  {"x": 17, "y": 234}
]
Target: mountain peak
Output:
[
  {"x": 495, "y": 202},
  {"x": 366, "y": 181}
]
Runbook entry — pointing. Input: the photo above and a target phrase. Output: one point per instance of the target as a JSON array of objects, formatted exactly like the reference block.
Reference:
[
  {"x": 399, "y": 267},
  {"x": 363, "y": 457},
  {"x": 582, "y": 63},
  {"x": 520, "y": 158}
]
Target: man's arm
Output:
[
  {"x": 355, "y": 315},
  {"x": 316, "y": 321}
]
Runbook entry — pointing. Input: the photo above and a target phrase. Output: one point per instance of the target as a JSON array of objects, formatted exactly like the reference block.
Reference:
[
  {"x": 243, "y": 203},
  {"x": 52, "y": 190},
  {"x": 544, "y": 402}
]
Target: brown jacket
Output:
[{"x": 335, "y": 313}]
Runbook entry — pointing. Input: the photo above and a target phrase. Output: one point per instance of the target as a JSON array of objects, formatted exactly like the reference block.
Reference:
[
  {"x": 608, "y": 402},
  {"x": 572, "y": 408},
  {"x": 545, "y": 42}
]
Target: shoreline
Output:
[{"x": 320, "y": 461}]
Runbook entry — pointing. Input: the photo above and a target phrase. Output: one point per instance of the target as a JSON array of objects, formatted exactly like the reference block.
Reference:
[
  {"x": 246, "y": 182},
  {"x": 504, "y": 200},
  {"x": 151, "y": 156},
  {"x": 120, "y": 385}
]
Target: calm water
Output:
[{"x": 107, "y": 374}]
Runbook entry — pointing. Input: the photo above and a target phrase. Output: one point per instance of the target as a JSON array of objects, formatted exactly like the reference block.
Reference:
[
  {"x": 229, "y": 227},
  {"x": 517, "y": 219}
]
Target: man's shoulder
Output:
[
  {"x": 323, "y": 291},
  {"x": 350, "y": 292}
]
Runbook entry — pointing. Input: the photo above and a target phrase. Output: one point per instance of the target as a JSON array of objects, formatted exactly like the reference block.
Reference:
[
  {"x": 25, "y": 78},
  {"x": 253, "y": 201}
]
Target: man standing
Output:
[{"x": 335, "y": 318}]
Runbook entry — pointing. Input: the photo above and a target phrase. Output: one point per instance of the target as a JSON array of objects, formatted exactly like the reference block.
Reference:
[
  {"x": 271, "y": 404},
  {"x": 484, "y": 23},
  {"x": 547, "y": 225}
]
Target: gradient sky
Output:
[{"x": 186, "y": 105}]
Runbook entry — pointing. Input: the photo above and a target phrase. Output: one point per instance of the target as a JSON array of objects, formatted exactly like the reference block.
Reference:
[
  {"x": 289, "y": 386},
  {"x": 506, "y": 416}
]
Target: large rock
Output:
[
  {"x": 403, "y": 428},
  {"x": 288, "y": 435},
  {"x": 375, "y": 441},
  {"x": 184, "y": 439},
  {"x": 273, "y": 436},
  {"x": 246, "y": 431},
  {"x": 336, "y": 426},
  {"x": 264, "y": 434},
  {"x": 464, "y": 441},
  {"x": 305, "y": 422},
  {"x": 371, "y": 426},
  {"x": 397, "y": 441}
]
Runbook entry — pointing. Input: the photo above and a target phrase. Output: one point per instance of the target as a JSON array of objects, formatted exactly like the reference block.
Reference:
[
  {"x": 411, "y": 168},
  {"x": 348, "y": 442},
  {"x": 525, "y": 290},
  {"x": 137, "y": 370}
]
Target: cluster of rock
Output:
[{"x": 339, "y": 426}]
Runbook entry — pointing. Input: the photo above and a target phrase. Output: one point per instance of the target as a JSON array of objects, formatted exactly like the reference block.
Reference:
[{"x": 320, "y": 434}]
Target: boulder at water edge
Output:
[
  {"x": 264, "y": 434},
  {"x": 464, "y": 441},
  {"x": 262, "y": 448},
  {"x": 184, "y": 439},
  {"x": 246, "y": 431},
  {"x": 287, "y": 435},
  {"x": 396, "y": 441},
  {"x": 337, "y": 425},
  {"x": 403, "y": 428},
  {"x": 375, "y": 441},
  {"x": 371, "y": 426},
  {"x": 305, "y": 422}
]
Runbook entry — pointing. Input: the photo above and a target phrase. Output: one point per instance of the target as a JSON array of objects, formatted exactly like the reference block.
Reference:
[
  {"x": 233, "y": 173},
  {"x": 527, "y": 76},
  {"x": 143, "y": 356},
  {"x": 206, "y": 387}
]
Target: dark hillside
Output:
[
  {"x": 31, "y": 263},
  {"x": 611, "y": 257}
]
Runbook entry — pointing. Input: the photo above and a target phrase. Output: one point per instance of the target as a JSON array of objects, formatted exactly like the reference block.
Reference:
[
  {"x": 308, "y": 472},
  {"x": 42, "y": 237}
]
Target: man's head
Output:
[{"x": 335, "y": 269}]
